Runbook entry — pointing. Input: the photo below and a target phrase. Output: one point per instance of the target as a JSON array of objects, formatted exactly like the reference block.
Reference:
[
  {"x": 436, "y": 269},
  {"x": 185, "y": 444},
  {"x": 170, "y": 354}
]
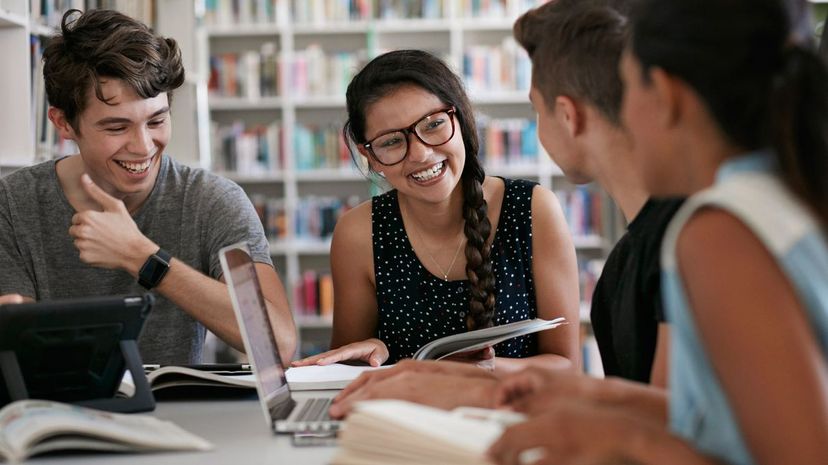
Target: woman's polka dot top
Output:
[{"x": 416, "y": 307}]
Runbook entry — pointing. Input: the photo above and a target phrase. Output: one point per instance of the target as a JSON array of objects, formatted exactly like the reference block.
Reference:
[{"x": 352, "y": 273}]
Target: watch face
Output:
[{"x": 153, "y": 270}]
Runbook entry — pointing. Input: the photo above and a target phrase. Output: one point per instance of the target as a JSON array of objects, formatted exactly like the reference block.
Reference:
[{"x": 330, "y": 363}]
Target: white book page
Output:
[
  {"x": 26, "y": 423},
  {"x": 334, "y": 376}
]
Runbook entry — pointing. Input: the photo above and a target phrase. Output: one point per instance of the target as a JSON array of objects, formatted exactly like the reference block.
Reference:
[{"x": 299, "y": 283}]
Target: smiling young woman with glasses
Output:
[{"x": 400, "y": 280}]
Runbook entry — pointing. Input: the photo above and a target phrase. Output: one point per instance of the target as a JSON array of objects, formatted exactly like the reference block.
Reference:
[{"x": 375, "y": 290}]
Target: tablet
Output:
[{"x": 69, "y": 350}]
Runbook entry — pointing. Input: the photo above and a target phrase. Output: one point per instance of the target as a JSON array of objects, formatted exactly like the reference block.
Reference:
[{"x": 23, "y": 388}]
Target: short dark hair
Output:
[
  {"x": 575, "y": 47},
  {"x": 106, "y": 43}
]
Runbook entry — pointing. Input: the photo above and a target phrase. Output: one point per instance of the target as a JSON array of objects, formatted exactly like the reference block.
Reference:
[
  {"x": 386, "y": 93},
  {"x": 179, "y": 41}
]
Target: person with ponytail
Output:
[
  {"x": 448, "y": 249},
  {"x": 726, "y": 105}
]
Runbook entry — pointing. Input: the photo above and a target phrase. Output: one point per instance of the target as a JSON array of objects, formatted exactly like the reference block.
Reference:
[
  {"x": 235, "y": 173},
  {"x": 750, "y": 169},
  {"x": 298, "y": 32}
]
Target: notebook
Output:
[{"x": 282, "y": 412}]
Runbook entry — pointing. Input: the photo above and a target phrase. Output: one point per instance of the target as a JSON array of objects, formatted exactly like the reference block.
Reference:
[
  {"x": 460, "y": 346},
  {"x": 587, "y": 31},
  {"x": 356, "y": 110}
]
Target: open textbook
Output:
[
  {"x": 31, "y": 427},
  {"x": 309, "y": 378},
  {"x": 393, "y": 432},
  {"x": 481, "y": 338}
]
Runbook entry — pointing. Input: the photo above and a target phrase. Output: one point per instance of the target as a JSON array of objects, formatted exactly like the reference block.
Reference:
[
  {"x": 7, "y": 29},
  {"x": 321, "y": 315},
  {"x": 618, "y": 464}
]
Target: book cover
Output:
[{"x": 481, "y": 338}]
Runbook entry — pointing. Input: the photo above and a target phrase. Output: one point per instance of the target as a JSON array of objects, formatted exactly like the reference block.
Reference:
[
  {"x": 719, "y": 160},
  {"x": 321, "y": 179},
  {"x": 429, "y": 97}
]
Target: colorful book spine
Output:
[
  {"x": 247, "y": 150},
  {"x": 319, "y": 147},
  {"x": 583, "y": 210},
  {"x": 239, "y": 12},
  {"x": 497, "y": 68},
  {"x": 250, "y": 74},
  {"x": 507, "y": 141},
  {"x": 313, "y": 294}
]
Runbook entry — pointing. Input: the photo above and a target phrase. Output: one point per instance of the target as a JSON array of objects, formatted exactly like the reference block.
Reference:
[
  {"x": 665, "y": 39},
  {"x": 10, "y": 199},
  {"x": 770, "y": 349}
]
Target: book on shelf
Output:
[
  {"x": 251, "y": 150},
  {"x": 235, "y": 12},
  {"x": 249, "y": 74},
  {"x": 583, "y": 209},
  {"x": 501, "y": 68},
  {"x": 32, "y": 427},
  {"x": 395, "y": 432},
  {"x": 481, "y": 338},
  {"x": 313, "y": 295}
]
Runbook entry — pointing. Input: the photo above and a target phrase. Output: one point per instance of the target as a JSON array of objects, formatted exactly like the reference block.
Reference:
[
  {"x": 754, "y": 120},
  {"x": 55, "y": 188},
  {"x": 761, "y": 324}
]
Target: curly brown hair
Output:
[{"x": 106, "y": 43}]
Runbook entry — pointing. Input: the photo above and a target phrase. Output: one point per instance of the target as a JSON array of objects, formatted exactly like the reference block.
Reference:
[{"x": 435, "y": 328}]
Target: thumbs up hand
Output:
[{"x": 109, "y": 238}]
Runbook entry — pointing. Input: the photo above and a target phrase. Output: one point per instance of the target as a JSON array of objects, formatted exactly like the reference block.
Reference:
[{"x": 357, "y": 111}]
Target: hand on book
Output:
[
  {"x": 569, "y": 431},
  {"x": 372, "y": 351},
  {"x": 412, "y": 366},
  {"x": 441, "y": 390},
  {"x": 483, "y": 358},
  {"x": 533, "y": 390}
]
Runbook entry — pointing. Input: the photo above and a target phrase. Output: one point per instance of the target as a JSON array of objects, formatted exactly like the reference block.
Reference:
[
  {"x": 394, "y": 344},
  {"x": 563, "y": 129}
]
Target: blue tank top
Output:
[
  {"x": 416, "y": 307},
  {"x": 747, "y": 188}
]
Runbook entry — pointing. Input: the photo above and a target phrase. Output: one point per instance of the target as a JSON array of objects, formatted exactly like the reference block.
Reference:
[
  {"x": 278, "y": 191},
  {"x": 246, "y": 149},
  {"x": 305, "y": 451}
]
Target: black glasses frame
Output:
[{"x": 451, "y": 111}]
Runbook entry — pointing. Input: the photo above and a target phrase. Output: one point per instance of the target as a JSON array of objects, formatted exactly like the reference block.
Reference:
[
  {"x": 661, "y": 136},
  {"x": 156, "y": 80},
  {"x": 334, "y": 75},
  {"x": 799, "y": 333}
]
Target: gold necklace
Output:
[{"x": 437, "y": 264}]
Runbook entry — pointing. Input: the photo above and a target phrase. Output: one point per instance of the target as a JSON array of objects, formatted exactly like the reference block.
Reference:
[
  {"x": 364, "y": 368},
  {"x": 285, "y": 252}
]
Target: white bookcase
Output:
[{"x": 15, "y": 86}]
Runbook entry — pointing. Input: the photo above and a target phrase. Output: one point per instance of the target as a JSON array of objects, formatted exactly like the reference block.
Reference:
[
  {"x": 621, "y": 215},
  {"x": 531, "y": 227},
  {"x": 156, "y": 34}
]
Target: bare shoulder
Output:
[
  {"x": 353, "y": 229},
  {"x": 493, "y": 189},
  {"x": 721, "y": 259}
]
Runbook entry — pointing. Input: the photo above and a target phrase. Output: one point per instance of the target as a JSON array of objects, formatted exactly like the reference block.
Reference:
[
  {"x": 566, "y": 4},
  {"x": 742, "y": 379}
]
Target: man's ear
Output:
[
  {"x": 668, "y": 92},
  {"x": 569, "y": 115},
  {"x": 58, "y": 118}
]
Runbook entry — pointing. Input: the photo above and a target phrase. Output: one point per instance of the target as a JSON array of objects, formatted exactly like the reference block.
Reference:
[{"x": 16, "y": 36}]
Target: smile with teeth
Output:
[
  {"x": 429, "y": 173},
  {"x": 135, "y": 168}
]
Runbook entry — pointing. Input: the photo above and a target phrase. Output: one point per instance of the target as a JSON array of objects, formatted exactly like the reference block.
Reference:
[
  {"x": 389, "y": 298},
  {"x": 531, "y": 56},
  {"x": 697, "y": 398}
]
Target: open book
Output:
[
  {"x": 393, "y": 432},
  {"x": 481, "y": 338},
  {"x": 31, "y": 427},
  {"x": 194, "y": 380},
  {"x": 309, "y": 378}
]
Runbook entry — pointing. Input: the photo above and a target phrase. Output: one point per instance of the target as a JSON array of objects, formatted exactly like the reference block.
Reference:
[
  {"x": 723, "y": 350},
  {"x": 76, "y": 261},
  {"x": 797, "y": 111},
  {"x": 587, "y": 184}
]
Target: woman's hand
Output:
[
  {"x": 568, "y": 432},
  {"x": 483, "y": 358},
  {"x": 372, "y": 351}
]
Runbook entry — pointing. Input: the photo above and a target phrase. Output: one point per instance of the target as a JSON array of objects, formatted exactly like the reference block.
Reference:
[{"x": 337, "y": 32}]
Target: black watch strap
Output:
[{"x": 154, "y": 269}]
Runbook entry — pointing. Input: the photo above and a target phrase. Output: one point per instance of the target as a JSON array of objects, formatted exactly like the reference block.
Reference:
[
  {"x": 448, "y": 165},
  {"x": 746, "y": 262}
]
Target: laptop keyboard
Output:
[{"x": 315, "y": 410}]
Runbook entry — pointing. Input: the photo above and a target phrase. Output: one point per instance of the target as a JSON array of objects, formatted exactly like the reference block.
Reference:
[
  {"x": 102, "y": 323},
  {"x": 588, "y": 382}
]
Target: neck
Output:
[
  {"x": 442, "y": 220},
  {"x": 614, "y": 169},
  {"x": 704, "y": 151}
]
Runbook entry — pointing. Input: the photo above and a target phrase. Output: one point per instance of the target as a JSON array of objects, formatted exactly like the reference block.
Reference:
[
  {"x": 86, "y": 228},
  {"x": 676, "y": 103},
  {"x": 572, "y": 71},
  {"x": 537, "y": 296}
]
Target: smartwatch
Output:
[{"x": 154, "y": 269}]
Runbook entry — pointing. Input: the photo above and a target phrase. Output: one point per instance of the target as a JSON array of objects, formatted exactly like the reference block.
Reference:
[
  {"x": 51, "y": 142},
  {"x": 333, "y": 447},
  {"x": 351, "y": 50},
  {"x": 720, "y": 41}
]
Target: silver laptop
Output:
[{"x": 282, "y": 412}]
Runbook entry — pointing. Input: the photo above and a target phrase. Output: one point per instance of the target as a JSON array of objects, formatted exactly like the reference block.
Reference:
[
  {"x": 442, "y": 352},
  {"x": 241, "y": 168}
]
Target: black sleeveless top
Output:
[{"x": 416, "y": 307}]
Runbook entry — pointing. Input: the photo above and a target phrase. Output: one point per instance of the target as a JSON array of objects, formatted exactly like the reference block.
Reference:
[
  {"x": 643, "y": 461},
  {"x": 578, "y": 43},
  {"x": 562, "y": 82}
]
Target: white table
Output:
[{"x": 236, "y": 428}]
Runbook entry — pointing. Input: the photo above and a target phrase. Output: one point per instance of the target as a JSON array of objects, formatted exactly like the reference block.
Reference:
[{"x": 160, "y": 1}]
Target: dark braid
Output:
[
  {"x": 478, "y": 261},
  {"x": 389, "y": 72}
]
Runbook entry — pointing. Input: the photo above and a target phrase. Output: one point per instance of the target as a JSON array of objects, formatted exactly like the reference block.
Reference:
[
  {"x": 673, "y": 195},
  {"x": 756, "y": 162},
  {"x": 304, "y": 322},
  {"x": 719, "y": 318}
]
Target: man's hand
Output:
[
  {"x": 445, "y": 391},
  {"x": 109, "y": 238},
  {"x": 412, "y": 366},
  {"x": 533, "y": 390}
]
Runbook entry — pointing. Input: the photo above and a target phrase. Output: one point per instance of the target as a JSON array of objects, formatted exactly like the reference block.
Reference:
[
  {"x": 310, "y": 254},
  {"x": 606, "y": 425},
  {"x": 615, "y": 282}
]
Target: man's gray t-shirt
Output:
[{"x": 190, "y": 213}]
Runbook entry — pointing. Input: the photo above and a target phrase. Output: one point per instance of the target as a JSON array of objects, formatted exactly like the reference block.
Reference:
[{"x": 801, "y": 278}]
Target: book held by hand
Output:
[
  {"x": 482, "y": 338},
  {"x": 394, "y": 432},
  {"x": 31, "y": 427}
]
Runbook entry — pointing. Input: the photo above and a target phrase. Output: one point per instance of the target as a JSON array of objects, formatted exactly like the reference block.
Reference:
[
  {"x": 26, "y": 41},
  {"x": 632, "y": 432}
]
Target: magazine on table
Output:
[{"x": 31, "y": 427}]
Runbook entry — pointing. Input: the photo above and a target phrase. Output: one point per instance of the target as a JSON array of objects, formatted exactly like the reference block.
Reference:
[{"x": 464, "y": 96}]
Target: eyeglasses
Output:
[{"x": 390, "y": 148}]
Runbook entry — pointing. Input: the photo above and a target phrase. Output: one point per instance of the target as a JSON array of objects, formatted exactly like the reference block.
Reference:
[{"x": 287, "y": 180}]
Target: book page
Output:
[
  {"x": 316, "y": 377},
  {"x": 481, "y": 338},
  {"x": 28, "y": 425}
]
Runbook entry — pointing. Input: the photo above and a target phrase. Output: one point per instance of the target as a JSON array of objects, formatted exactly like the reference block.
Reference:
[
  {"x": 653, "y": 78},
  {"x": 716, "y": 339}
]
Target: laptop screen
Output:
[{"x": 254, "y": 324}]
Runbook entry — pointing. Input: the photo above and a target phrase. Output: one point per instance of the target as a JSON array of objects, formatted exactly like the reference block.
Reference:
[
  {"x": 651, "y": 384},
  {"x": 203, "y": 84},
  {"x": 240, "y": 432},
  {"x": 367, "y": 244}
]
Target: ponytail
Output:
[{"x": 799, "y": 127}]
